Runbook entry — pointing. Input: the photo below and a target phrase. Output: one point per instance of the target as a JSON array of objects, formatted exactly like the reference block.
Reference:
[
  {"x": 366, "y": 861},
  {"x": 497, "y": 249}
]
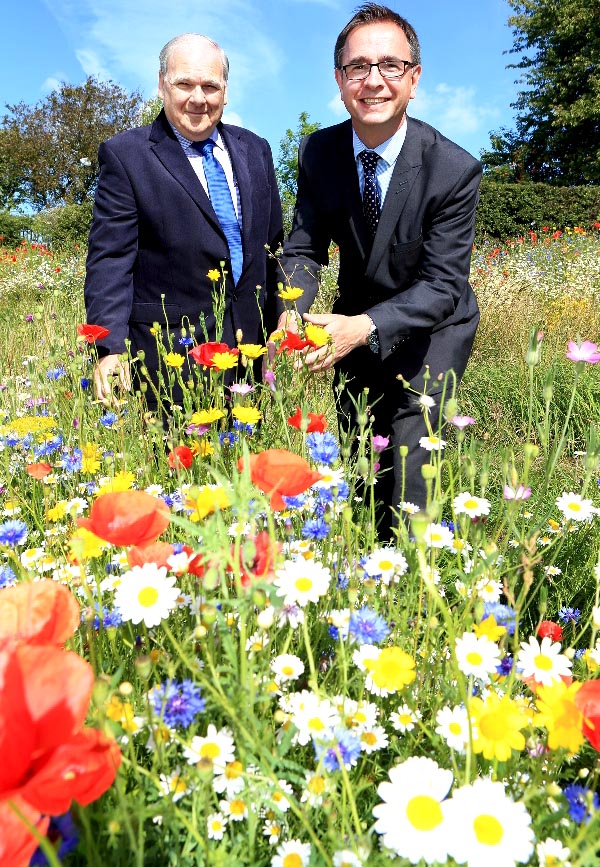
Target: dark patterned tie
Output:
[
  {"x": 371, "y": 204},
  {"x": 220, "y": 198}
]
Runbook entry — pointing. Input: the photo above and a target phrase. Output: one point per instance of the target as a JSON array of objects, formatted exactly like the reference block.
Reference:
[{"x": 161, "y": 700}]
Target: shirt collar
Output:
[
  {"x": 186, "y": 144},
  {"x": 387, "y": 150}
]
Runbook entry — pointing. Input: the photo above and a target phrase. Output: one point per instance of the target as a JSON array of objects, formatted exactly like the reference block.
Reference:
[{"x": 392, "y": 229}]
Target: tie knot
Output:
[
  {"x": 369, "y": 160},
  {"x": 204, "y": 147}
]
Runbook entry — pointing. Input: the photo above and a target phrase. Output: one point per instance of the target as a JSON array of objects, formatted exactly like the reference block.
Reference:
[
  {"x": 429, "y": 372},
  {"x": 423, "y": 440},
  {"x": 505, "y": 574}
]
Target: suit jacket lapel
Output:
[
  {"x": 348, "y": 174},
  {"x": 408, "y": 166}
]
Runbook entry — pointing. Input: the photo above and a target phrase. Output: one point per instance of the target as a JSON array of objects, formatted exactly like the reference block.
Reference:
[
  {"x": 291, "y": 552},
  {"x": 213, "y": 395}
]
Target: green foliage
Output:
[
  {"x": 507, "y": 210},
  {"x": 557, "y": 136},
  {"x": 150, "y": 110},
  {"x": 49, "y": 150},
  {"x": 287, "y": 161},
  {"x": 12, "y": 227},
  {"x": 65, "y": 226}
]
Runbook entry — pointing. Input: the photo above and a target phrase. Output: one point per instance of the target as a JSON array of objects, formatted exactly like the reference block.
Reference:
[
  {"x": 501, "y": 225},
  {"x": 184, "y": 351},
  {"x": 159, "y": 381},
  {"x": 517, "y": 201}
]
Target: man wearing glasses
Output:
[{"x": 398, "y": 199}]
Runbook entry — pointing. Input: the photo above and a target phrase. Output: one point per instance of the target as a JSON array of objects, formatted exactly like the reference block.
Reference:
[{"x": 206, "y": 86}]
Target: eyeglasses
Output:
[{"x": 387, "y": 69}]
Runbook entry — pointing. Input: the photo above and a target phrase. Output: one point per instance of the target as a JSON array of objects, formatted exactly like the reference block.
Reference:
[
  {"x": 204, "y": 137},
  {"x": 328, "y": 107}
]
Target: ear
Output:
[
  {"x": 415, "y": 76},
  {"x": 338, "y": 77},
  {"x": 161, "y": 85},
  {"x": 225, "y": 95}
]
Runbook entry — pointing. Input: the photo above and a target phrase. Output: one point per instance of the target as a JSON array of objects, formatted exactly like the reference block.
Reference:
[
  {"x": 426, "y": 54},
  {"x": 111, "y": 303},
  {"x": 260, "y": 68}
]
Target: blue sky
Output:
[{"x": 280, "y": 53}]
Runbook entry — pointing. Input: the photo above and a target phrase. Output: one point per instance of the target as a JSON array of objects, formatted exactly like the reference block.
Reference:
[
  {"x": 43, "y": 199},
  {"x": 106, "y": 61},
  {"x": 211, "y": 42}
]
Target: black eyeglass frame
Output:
[{"x": 408, "y": 64}]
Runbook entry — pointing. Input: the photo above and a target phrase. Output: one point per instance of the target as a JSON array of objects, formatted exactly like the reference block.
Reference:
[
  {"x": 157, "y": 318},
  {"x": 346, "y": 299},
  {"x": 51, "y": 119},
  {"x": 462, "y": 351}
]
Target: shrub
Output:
[
  {"x": 12, "y": 227},
  {"x": 64, "y": 227}
]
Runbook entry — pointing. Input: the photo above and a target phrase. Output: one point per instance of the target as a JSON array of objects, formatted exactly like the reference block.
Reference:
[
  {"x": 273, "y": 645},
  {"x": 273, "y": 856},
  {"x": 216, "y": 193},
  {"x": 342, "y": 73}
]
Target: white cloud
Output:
[
  {"x": 452, "y": 110},
  {"x": 91, "y": 64},
  {"x": 53, "y": 82},
  {"x": 337, "y": 107}
]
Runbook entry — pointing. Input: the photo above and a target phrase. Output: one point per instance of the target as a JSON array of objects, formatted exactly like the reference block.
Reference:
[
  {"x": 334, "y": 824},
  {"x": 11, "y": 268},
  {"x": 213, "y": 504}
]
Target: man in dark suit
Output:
[
  {"x": 158, "y": 227},
  {"x": 403, "y": 218}
]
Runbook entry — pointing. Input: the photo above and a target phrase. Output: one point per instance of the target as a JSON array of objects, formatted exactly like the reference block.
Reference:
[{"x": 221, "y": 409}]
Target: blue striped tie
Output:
[{"x": 220, "y": 198}]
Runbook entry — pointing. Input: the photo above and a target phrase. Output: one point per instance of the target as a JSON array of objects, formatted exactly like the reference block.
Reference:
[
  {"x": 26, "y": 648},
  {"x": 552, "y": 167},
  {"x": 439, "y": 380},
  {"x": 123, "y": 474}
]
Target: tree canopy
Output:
[
  {"x": 557, "y": 135},
  {"x": 287, "y": 162},
  {"x": 48, "y": 152}
]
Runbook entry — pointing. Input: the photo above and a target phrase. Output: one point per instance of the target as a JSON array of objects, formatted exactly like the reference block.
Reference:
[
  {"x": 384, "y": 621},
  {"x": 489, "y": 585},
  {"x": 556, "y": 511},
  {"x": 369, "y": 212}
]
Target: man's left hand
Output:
[{"x": 347, "y": 332}]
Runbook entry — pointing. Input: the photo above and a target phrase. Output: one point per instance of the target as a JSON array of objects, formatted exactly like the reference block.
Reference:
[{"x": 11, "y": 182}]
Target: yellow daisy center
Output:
[
  {"x": 292, "y": 860},
  {"x": 316, "y": 785},
  {"x": 474, "y": 658},
  {"x": 455, "y": 728},
  {"x": 316, "y": 724},
  {"x": 148, "y": 597},
  {"x": 471, "y": 504},
  {"x": 385, "y": 565},
  {"x": 303, "y": 584},
  {"x": 493, "y": 726},
  {"x": 424, "y": 813},
  {"x": 209, "y": 750},
  {"x": 233, "y": 770},
  {"x": 488, "y": 830},
  {"x": 237, "y": 807},
  {"x": 543, "y": 662}
]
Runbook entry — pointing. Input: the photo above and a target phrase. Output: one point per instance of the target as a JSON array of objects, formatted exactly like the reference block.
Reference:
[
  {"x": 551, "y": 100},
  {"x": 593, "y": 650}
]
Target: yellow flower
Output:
[
  {"x": 252, "y": 350},
  {"x": 122, "y": 713},
  {"x": 559, "y": 714},
  {"x": 58, "y": 511},
  {"x": 290, "y": 293},
  {"x": 174, "y": 359},
  {"x": 84, "y": 545},
  {"x": 224, "y": 360},
  {"x": 317, "y": 335},
  {"x": 392, "y": 670},
  {"x": 206, "y": 500},
  {"x": 90, "y": 458},
  {"x": 214, "y": 275},
  {"x": 122, "y": 481},
  {"x": 246, "y": 414},
  {"x": 29, "y": 424},
  {"x": 497, "y": 724},
  {"x": 489, "y": 628},
  {"x": 204, "y": 448},
  {"x": 207, "y": 416}
]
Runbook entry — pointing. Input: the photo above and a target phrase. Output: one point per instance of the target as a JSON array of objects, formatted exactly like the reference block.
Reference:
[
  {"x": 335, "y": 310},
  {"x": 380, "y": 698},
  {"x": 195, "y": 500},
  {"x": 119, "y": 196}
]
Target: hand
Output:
[
  {"x": 347, "y": 332},
  {"x": 110, "y": 371}
]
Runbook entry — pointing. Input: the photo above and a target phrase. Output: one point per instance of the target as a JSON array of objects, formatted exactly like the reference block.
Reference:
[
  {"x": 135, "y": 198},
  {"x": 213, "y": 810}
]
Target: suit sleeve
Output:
[
  {"x": 274, "y": 241},
  {"x": 112, "y": 252},
  {"x": 441, "y": 286}
]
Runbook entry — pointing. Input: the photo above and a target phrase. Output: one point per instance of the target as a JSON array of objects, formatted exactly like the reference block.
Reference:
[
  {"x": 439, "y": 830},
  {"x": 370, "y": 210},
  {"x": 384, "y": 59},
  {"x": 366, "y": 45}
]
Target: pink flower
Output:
[
  {"x": 242, "y": 388},
  {"x": 519, "y": 493},
  {"x": 380, "y": 443},
  {"x": 462, "y": 421},
  {"x": 587, "y": 352}
]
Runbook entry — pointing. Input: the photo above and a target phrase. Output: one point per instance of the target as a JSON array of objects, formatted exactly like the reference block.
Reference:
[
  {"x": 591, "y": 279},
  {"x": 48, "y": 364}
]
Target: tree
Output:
[
  {"x": 49, "y": 150},
  {"x": 557, "y": 135},
  {"x": 286, "y": 169}
]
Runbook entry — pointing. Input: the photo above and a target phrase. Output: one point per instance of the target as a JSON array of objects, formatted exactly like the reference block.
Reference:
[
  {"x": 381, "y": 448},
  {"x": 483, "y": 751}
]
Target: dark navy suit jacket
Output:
[
  {"x": 412, "y": 279},
  {"x": 155, "y": 234}
]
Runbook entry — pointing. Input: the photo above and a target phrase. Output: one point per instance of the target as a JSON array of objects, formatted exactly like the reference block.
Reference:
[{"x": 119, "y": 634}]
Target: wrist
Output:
[{"x": 372, "y": 336}]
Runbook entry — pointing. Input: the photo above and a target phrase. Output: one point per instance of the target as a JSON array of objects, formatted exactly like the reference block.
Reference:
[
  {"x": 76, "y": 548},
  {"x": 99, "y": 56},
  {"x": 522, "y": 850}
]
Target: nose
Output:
[
  {"x": 197, "y": 94},
  {"x": 374, "y": 78}
]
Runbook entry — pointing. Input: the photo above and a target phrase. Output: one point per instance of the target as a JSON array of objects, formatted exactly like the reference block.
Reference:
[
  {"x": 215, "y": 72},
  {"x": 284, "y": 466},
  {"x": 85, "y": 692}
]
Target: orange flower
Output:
[
  {"x": 316, "y": 423},
  {"x": 205, "y": 352},
  {"x": 127, "y": 518},
  {"x": 292, "y": 341},
  {"x": 181, "y": 458},
  {"x": 92, "y": 333},
  {"x": 281, "y": 474},
  {"x": 38, "y": 471},
  {"x": 588, "y": 702},
  {"x": 40, "y": 612},
  {"x": 156, "y": 552},
  {"x": 257, "y": 558}
]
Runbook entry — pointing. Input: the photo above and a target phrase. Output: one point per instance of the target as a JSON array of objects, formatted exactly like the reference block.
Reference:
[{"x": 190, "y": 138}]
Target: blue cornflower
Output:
[
  {"x": 504, "y": 615},
  {"x": 108, "y": 419},
  {"x": 61, "y": 828},
  {"x": 85, "y": 383},
  {"x": 368, "y": 627},
  {"x": 11, "y": 440},
  {"x": 186, "y": 341},
  {"x": 566, "y": 615},
  {"x": 177, "y": 703},
  {"x": 322, "y": 447},
  {"x": 449, "y": 524},
  {"x": 245, "y": 428},
  {"x": 578, "y": 799},
  {"x": 343, "y": 750},
  {"x": 13, "y": 533},
  {"x": 109, "y": 618},
  {"x": 506, "y": 666},
  {"x": 48, "y": 447},
  {"x": 315, "y": 528},
  {"x": 56, "y": 373},
  {"x": 228, "y": 438},
  {"x": 333, "y": 632},
  {"x": 295, "y": 502},
  {"x": 7, "y": 577},
  {"x": 72, "y": 462},
  {"x": 342, "y": 581}
]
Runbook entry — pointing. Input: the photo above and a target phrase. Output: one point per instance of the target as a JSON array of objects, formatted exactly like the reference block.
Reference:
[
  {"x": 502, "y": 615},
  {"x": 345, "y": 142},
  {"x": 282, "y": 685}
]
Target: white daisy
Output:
[
  {"x": 412, "y": 817},
  {"x": 216, "y": 824},
  {"x": 272, "y": 829},
  {"x": 357, "y": 715},
  {"x": 488, "y": 829},
  {"x": 302, "y": 581},
  {"x": 404, "y": 719},
  {"x": 280, "y": 796},
  {"x": 386, "y": 563},
  {"x": 432, "y": 443},
  {"x": 453, "y": 726},
  {"x": 489, "y": 589},
  {"x": 313, "y": 717},
  {"x": 316, "y": 786},
  {"x": 552, "y": 853},
  {"x": 543, "y": 662},
  {"x": 236, "y": 809},
  {"x": 346, "y": 858},
  {"x": 230, "y": 779},
  {"x": 469, "y": 504},
  {"x": 409, "y": 508},
  {"x": 257, "y": 642},
  {"x": 291, "y": 853},
  {"x": 438, "y": 536},
  {"x": 477, "y": 656},
  {"x": 174, "y": 785},
  {"x": 574, "y": 507},
  {"x": 373, "y": 739},
  {"x": 286, "y": 667},
  {"x": 146, "y": 594},
  {"x": 217, "y": 747}
]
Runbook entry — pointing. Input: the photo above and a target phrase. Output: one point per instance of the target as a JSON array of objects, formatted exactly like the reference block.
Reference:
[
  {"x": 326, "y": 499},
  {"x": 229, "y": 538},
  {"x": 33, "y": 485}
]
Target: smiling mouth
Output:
[{"x": 373, "y": 101}]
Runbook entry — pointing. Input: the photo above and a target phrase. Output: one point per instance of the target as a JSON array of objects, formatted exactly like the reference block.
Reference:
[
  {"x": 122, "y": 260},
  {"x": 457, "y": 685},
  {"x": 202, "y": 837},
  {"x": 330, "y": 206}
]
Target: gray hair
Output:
[
  {"x": 172, "y": 44},
  {"x": 371, "y": 13}
]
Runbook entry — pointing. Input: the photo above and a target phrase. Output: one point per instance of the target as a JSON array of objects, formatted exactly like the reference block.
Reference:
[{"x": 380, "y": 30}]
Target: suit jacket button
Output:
[{"x": 235, "y": 298}]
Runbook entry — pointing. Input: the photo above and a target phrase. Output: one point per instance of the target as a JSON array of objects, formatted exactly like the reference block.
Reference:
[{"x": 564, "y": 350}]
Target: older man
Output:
[
  {"x": 399, "y": 199},
  {"x": 174, "y": 200}
]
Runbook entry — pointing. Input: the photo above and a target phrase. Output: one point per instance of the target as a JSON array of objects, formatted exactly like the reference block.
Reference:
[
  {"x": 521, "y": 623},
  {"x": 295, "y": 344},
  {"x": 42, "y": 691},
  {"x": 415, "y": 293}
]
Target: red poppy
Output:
[
  {"x": 292, "y": 341},
  {"x": 17, "y": 845},
  {"x": 92, "y": 333},
  {"x": 281, "y": 474},
  {"x": 204, "y": 353},
  {"x": 587, "y": 700},
  {"x": 156, "y": 552},
  {"x": 39, "y": 612},
  {"x": 127, "y": 518},
  {"x": 44, "y": 698},
  {"x": 181, "y": 458},
  {"x": 257, "y": 558},
  {"x": 38, "y": 471},
  {"x": 548, "y": 628},
  {"x": 316, "y": 423}
]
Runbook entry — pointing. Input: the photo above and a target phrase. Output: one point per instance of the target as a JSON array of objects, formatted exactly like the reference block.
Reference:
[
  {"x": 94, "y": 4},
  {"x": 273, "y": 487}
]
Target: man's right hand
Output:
[{"x": 111, "y": 371}]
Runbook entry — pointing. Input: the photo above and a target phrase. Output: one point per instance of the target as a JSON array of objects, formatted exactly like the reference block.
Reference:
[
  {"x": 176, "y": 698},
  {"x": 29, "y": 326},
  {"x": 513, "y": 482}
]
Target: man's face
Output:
[
  {"x": 377, "y": 105},
  {"x": 193, "y": 91}
]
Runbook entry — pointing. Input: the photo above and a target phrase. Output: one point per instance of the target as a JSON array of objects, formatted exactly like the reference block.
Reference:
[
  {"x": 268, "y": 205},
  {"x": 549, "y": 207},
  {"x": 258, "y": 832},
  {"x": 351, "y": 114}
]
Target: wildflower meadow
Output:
[{"x": 208, "y": 657}]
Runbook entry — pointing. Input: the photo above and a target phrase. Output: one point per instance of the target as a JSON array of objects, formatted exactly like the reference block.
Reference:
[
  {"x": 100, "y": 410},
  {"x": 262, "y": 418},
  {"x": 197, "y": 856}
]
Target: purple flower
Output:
[
  {"x": 343, "y": 750},
  {"x": 368, "y": 627},
  {"x": 586, "y": 351},
  {"x": 177, "y": 703},
  {"x": 569, "y": 615},
  {"x": 380, "y": 443},
  {"x": 462, "y": 421}
]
